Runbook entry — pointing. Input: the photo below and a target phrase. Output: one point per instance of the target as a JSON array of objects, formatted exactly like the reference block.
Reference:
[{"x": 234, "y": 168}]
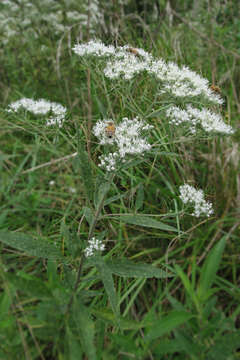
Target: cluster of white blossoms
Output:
[
  {"x": 93, "y": 246},
  {"x": 95, "y": 48},
  {"x": 125, "y": 62},
  {"x": 41, "y": 107},
  {"x": 127, "y": 138},
  {"x": 210, "y": 121},
  {"x": 109, "y": 161},
  {"x": 194, "y": 197}
]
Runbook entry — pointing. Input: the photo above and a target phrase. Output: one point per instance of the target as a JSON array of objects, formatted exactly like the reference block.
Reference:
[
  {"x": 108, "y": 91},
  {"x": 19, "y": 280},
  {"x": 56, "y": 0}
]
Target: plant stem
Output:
[{"x": 90, "y": 234}]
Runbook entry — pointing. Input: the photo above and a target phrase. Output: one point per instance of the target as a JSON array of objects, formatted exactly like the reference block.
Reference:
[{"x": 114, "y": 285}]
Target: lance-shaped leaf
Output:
[
  {"x": 146, "y": 221},
  {"x": 107, "y": 279},
  {"x": 210, "y": 268},
  {"x": 31, "y": 246},
  {"x": 127, "y": 268}
]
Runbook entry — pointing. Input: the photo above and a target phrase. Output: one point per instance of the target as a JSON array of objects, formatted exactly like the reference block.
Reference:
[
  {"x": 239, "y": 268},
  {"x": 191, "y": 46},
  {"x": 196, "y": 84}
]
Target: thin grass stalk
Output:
[{"x": 89, "y": 89}]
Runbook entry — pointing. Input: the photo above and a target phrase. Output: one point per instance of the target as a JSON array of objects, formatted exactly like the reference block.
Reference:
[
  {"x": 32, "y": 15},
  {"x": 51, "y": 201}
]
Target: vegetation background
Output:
[{"x": 186, "y": 306}]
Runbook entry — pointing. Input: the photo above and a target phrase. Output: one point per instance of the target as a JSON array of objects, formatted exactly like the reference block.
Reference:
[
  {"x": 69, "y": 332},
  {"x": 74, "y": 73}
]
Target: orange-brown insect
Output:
[
  {"x": 110, "y": 130},
  {"x": 215, "y": 89},
  {"x": 133, "y": 51}
]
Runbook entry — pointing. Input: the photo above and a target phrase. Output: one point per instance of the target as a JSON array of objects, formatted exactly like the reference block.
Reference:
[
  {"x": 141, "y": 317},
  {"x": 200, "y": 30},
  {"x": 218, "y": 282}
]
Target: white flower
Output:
[
  {"x": 109, "y": 161},
  {"x": 194, "y": 197},
  {"x": 41, "y": 107},
  {"x": 127, "y": 139},
  {"x": 179, "y": 81},
  {"x": 209, "y": 120},
  {"x": 99, "y": 130},
  {"x": 96, "y": 48},
  {"x": 93, "y": 246}
]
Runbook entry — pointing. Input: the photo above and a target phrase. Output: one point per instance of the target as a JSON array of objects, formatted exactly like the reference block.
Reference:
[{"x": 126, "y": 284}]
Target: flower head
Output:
[
  {"x": 210, "y": 121},
  {"x": 41, "y": 107},
  {"x": 94, "y": 245},
  {"x": 125, "y": 62},
  {"x": 96, "y": 48},
  {"x": 127, "y": 139},
  {"x": 194, "y": 197}
]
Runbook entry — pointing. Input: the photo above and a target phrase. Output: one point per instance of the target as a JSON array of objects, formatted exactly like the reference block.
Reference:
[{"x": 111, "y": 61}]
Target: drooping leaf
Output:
[
  {"x": 167, "y": 323},
  {"x": 146, "y": 221},
  {"x": 107, "y": 279},
  {"x": 101, "y": 193},
  {"x": 139, "y": 197},
  {"x": 87, "y": 212},
  {"x": 31, "y": 246},
  {"x": 187, "y": 284},
  {"x": 210, "y": 267},
  {"x": 128, "y": 268}
]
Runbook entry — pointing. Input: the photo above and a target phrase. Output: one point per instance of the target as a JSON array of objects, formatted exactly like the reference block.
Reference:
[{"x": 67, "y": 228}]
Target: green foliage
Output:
[
  {"x": 167, "y": 284},
  {"x": 30, "y": 245}
]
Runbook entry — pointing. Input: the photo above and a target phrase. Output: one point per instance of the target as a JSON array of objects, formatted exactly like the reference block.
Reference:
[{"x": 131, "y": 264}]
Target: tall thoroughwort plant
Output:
[{"x": 122, "y": 137}]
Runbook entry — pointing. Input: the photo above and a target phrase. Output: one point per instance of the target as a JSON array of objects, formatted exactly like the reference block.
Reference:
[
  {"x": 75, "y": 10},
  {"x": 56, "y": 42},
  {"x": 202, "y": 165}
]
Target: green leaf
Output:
[
  {"x": 87, "y": 212},
  {"x": 210, "y": 267},
  {"x": 187, "y": 285},
  {"x": 31, "y": 246},
  {"x": 167, "y": 323},
  {"x": 128, "y": 268},
  {"x": 139, "y": 197},
  {"x": 85, "y": 327},
  {"x": 74, "y": 346},
  {"x": 107, "y": 279},
  {"x": 101, "y": 193},
  {"x": 146, "y": 221}
]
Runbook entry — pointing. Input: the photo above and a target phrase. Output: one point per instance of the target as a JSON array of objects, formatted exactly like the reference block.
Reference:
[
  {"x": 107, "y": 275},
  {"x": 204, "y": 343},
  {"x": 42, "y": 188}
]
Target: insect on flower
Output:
[
  {"x": 133, "y": 51},
  {"x": 215, "y": 89},
  {"x": 110, "y": 130}
]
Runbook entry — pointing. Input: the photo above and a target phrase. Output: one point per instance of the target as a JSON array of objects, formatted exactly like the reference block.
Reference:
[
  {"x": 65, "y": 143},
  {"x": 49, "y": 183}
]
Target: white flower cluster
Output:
[
  {"x": 126, "y": 61},
  {"x": 207, "y": 119},
  {"x": 41, "y": 107},
  {"x": 109, "y": 161},
  {"x": 93, "y": 246},
  {"x": 127, "y": 138},
  {"x": 96, "y": 48},
  {"x": 190, "y": 195}
]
